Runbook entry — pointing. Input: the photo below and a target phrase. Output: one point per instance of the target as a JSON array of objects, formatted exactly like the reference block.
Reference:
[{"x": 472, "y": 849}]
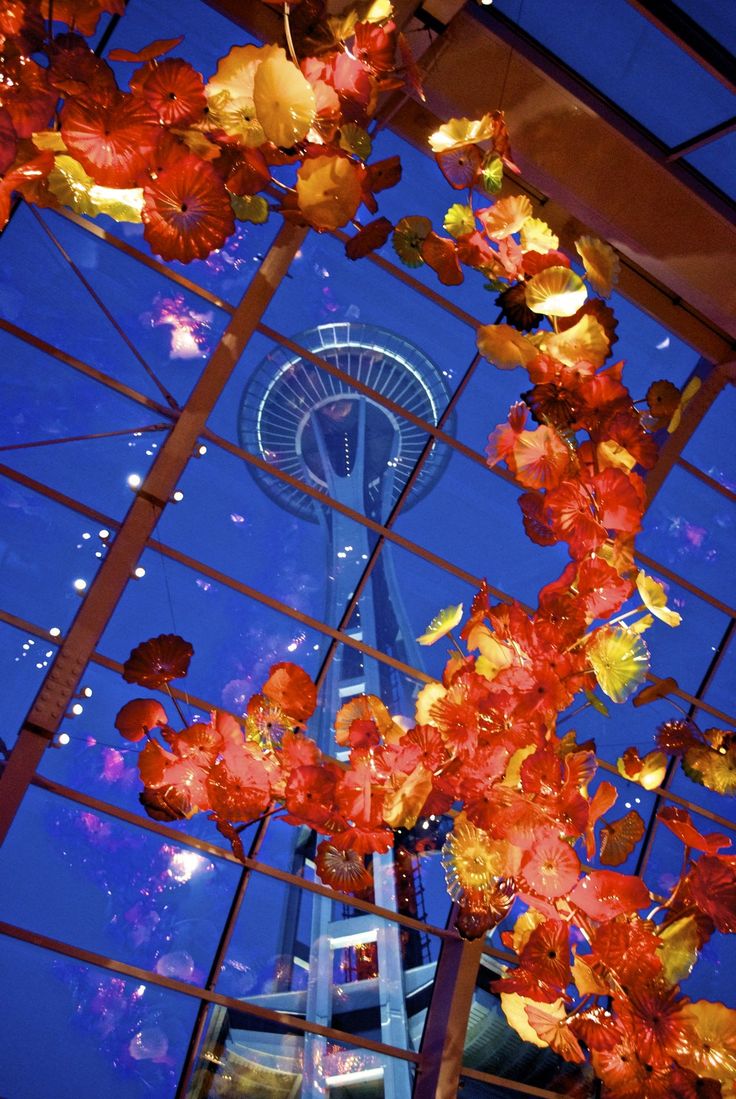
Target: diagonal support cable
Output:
[
  {"x": 100, "y": 303},
  {"x": 86, "y": 438}
]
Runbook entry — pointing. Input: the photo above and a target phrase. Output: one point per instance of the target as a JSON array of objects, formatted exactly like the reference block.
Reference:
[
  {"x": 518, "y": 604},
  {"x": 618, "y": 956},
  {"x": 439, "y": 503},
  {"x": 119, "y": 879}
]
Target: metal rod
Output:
[
  {"x": 86, "y": 438},
  {"x": 104, "y": 309},
  {"x": 707, "y": 479},
  {"x": 83, "y": 368},
  {"x": 218, "y": 961},
  {"x": 702, "y": 139},
  {"x": 148, "y": 976}
]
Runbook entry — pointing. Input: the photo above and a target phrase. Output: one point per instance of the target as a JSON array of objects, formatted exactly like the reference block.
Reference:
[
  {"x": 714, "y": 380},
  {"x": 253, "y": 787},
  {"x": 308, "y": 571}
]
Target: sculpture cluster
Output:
[
  {"x": 599, "y": 957},
  {"x": 185, "y": 155}
]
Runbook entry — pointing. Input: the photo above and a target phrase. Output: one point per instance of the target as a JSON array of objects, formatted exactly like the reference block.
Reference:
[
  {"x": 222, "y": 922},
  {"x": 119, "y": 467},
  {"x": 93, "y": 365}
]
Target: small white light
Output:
[
  {"x": 80, "y": 584},
  {"x": 178, "y": 496},
  {"x": 64, "y": 739},
  {"x": 86, "y": 692},
  {"x": 134, "y": 480},
  {"x": 86, "y": 536},
  {"x": 201, "y": 450},
  {"x": 54, "y": 631},
  {"x": 104, "y": 534},
  {"x": 77, "y": 709},
  {"x": 139, "y": 573}
]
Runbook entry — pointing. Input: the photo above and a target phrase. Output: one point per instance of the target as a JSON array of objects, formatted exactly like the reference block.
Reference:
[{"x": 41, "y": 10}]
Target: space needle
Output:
[{"x": 326, "y": 430}]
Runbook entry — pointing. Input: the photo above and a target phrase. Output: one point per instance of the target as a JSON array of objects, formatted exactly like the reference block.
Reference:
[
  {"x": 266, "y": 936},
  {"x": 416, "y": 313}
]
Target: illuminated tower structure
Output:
[{"x": 320, "y": 429}]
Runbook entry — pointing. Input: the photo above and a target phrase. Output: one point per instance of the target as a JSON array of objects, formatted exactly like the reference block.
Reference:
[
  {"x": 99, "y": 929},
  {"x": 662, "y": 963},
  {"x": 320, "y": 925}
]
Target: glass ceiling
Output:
[
  {"x": 161, "y": 940},
  {"x": 652, "y": 77}
]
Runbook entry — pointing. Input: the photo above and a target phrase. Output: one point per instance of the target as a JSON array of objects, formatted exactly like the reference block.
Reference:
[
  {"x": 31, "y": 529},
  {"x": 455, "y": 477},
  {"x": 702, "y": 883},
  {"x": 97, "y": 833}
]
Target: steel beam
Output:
[
  {"x": 714, "y": 380},
  {"x": 552, "y": 66},
  {"x": 52, "y": 700},
  {"x": 443, "y": 1042}
]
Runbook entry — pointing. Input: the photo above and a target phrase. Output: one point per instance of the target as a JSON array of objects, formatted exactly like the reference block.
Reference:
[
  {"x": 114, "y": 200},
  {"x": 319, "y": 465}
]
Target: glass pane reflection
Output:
[
  {"x": 112, "y": 888},
  {"x": 241, "y": 1056},
  {"x": 98, "y": 1032},
  {"x": 329, "y": 961}
]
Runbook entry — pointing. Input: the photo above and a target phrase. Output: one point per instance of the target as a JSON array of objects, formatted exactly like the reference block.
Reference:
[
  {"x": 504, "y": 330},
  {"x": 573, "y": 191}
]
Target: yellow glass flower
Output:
[
  {"x": 284, "y": 102},
  {"x": 503, "y": 346},
  {"x": 426, "y": 699},
  {"x": 679, "y": 950},
  {"x": 514, "y": 1008},
  {"x": 69, "y": 182},
  {"x": 556, "y": 292},
  {"x": 649, "y": 772},
  {"x": 328, "y": 191},
  {"x": 585, "y": 340},
  {"x": 536, "y": 236},
  {"x": 714, "y": 768},
  {"x": 235, "y": 73},
  {"x": 230, "y": 92},
  {"x": 601, "y": 264},
  {"x": 402, "y": 806},
  {"x": 654, "y": 598},
  {"x": 709, "y": 1048},
  {"x": 470, "y": 861},
  {"x": 442, "y": 623},
  {"x": 620, "y": 659},
  {"x": 506, "y": 217},
  {"x": 462, "y": 131}
]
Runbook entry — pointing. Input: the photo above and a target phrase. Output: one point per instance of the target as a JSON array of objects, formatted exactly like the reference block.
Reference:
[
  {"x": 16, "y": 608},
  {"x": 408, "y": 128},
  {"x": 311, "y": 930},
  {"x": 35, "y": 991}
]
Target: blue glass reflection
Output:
[{"x": 102, "y": 1033}]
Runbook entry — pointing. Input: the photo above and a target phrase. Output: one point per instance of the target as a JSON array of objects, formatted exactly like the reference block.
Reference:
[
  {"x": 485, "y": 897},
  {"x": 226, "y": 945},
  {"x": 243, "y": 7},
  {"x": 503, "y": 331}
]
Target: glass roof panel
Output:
[
  {"x": 720, "y": 688},
  {"x": 624, "y": 727},
  {"x": 104, "y": 1033},
  {"x": 226, "y": 522},
  {"x": 325, "y": 287},
  {"x": 39, "y": 583},
  {"x": 717, "y": 161},
  {"x": 243, "y": 637},
  {"x": 262, "y": 1059},
  {"x": 45, "y": 399},
  {"x": 710, "y": 448},
  {"x": 94, "y": 471},
  {"x": 632, "y": 62},
  {"x": 20, "y": 656},
  {"x": 715, "y": 17},
  {"x": 114, "y": 889},
  {"x": 690, "y": 527},
  {"x": 471, "y": 518}
]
